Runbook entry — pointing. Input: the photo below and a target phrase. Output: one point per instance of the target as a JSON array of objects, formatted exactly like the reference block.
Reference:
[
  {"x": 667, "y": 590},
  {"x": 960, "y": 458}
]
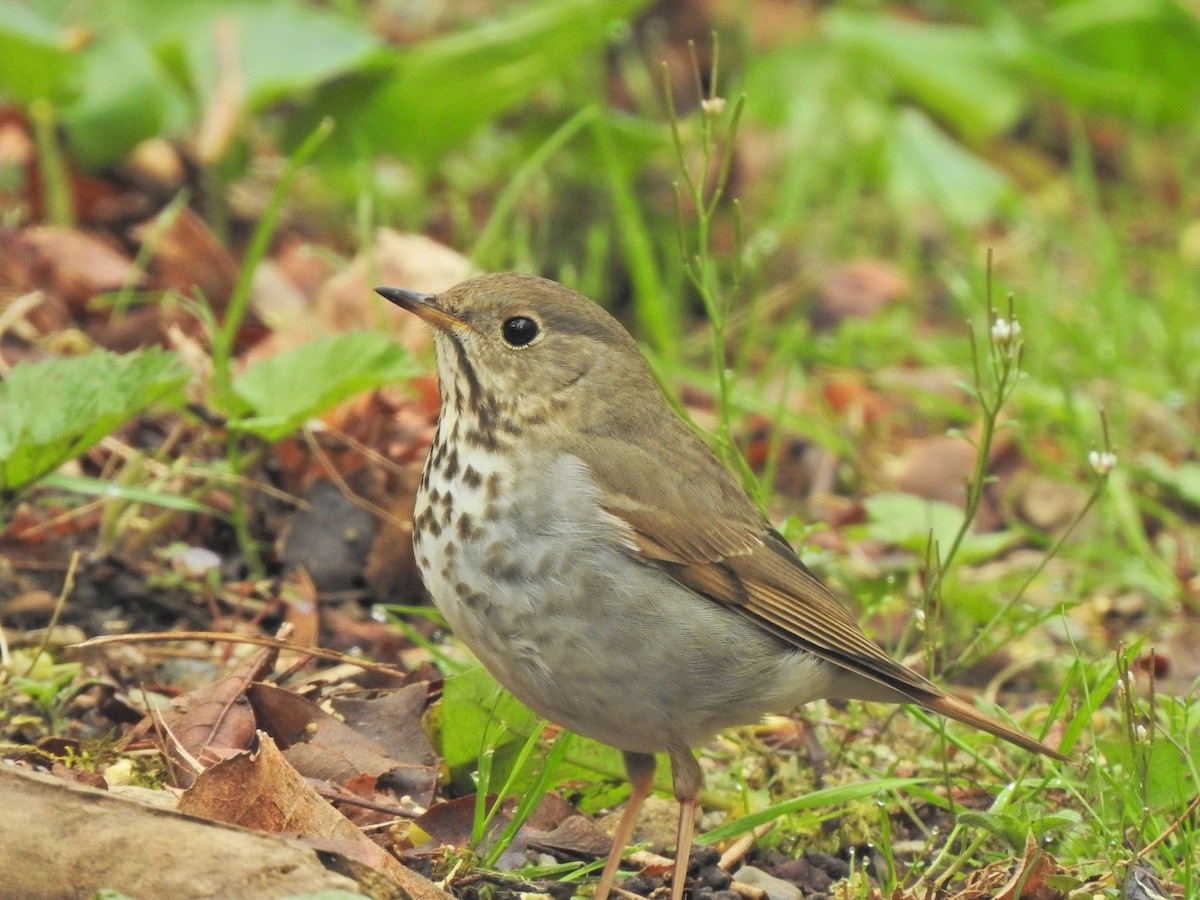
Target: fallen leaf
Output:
[
  {"x": 69, "y": 262},
  {"x": 213, "y": 721},
  {"x": 858, "y": 290},
  {"x": 260, "y": 789},
  {"x": 325, "y": 748},
  {"x": 1028, "y": 882}
]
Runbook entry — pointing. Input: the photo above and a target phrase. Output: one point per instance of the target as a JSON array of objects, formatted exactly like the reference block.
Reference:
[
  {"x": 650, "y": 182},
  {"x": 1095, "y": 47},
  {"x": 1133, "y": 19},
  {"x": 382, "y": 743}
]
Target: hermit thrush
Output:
[{"x": 600, "y": 561}]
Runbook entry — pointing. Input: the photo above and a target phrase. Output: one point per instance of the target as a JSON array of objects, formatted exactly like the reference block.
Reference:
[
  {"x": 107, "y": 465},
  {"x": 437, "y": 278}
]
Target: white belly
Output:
[{"x": 541, "y": 583}]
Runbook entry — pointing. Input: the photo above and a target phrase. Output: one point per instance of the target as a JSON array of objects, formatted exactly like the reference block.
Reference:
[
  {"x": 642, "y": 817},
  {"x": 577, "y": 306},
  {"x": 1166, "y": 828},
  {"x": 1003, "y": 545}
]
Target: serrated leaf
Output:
[
  {"x": 905, "y": 520},
  {"x": 288, "y": 389},
  {"x": 1007, "y": 827},
  {"x": 55, "y": 409}
]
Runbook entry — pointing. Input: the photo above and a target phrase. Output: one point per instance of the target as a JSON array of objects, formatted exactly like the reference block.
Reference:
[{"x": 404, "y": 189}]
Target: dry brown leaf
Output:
[
  {"x": 214, "y": 721},
  {"x": 324, "y": 748},
  {"x": 187, "y": 256},
  {"x": 450, "y": 823},
  {"x": 411, "y": 261},
  {"x": 858, "y": 290},
  {"x": 263, "y": 791},
  {"x": 1028, "y": 882},
  {"x": 299, "y": 597},
  {"x": 71, "y": 263}
]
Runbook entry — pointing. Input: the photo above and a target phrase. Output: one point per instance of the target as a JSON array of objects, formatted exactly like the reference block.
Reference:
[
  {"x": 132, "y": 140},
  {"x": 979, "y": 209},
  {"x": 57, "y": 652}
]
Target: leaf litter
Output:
[{"x": 346, "y": 756}]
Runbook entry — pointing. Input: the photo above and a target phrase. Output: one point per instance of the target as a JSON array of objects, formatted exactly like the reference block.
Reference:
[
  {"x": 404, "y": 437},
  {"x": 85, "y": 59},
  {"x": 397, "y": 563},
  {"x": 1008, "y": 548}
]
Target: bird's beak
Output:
[{"x": 422, "y": 305}]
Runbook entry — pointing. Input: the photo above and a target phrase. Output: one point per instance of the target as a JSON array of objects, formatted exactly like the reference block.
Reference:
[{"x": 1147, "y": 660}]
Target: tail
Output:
[{"x": 969, "y": 715}]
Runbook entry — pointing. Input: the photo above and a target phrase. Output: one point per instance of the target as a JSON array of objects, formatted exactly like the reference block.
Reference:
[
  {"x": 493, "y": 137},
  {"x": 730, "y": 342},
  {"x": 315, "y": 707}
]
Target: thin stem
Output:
[
  {"x": 56, "y": 181},
  {"x": 239, "y": 300}
]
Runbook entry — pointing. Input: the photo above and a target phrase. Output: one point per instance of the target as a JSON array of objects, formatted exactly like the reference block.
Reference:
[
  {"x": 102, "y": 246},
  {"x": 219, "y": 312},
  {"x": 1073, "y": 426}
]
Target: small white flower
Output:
[
  {"x": 1140, "y": 732},
  {"x": 1102, "y": 462},
  {"x": 714, "y": 106},
  {"x": 1005, "y": 331},
  {"x": 195, "y": 562}
]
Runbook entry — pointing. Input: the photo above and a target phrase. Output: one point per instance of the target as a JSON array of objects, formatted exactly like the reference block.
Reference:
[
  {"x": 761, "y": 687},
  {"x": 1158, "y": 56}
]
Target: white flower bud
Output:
[{"x": 1102, "y": 462}]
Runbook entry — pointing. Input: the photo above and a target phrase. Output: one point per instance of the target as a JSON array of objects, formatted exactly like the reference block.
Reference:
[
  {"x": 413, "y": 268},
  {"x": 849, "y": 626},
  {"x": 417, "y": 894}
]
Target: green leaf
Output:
[
  {"x": 1137, "y": 59},
  {"x": 476, "y": 712},
  {"x": 1182, "y": 479},
  {"x": 905, "y": 520},
  {"x": 926, "y": 168},
  {"x": 286, "y": 390},
  {"x": 435, "y": 95},
  {"x": 957, "y": 73},
  {"x": 55, "y": 409},
  {"x": 33, "y": 64},
  {"x": 1005, "y": 826},
  {"x": 127, "y": 98},
  {"x": 280, "y": 46}
]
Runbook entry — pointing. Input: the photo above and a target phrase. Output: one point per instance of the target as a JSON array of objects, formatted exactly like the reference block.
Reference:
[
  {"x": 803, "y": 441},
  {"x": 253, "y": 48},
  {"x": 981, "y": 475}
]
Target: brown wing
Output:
[
  {"x": 715, "y": 542},
  {"x": 771, "y": 585},
  {"x": 759, "y": 575}
]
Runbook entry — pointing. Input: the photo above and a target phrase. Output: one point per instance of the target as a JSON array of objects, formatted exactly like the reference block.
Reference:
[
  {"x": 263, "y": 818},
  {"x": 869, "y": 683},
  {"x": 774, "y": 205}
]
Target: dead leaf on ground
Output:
[
  {"x": 68, "y": 262},
  {"x": 938, "y": 468},
  {"x": 858, "y": 290},
  {"x": 411, "y": 261},
  {"x": 1049, "y": 504},
  {"x": 1028, "y": 882},
  {"x": 213, "y": 721},
  {"x": 186, "y": 257},
  {"x": 322, "y": 747},
  {"x": 263, "y": 791},
  {"x": 298, "y": 595}
]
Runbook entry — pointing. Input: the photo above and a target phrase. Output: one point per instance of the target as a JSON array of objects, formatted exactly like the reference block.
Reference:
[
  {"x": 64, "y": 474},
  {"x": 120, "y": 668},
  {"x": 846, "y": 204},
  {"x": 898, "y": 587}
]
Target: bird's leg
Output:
[
  {"x": 640, "y": 769},
  {"x": 687, "y": 779}
]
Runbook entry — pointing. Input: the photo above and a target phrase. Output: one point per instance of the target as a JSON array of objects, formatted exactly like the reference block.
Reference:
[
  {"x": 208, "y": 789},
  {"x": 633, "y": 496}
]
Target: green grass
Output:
[{"x": 1084, "y": 197}]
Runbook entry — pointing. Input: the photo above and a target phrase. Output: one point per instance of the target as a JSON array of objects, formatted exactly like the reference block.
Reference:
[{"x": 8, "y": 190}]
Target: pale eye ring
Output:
[{"x": 520, "y": 331}]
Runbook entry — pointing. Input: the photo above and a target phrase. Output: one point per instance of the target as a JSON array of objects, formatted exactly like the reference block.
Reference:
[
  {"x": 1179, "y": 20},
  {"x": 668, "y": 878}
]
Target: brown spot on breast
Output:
[
  {"x": 492, "y": 489},
  {"x": 483, "y": 438},
  {"x": 464, "y": 526},
  {"x": 471, "y": 477}
]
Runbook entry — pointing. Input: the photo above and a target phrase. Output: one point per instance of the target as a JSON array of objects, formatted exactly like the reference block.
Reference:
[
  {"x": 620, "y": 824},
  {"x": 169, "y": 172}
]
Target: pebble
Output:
[{"x": 776, "y": 888}]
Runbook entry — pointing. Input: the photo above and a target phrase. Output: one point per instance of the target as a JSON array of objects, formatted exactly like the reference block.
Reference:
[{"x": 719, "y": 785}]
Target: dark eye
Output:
[{"x": 519, "y": 330}]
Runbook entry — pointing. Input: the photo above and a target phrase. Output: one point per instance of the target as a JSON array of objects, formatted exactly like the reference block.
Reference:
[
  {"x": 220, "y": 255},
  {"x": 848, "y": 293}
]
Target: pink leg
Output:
[
  {"x": 640, "y": 769},
  {"x": 687, "y": 778}
]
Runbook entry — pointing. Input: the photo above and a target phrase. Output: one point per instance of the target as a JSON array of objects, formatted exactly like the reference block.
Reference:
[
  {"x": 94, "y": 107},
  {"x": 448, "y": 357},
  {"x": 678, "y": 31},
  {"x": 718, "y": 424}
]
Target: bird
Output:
[{"x": 590, "y": 549}]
